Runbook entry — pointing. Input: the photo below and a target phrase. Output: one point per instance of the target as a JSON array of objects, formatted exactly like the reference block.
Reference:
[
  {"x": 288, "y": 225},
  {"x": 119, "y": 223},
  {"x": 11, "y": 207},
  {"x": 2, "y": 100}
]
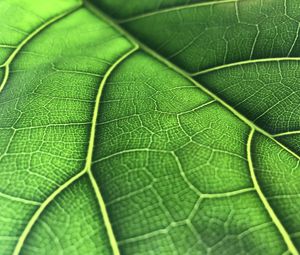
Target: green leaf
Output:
[{"x": 149, "y": 127}]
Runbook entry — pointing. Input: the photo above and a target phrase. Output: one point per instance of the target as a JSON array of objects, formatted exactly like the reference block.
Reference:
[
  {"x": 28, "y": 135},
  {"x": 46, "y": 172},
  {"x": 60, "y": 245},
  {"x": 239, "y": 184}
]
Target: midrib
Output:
[
  {"x": 177, "y": 69},
  {"x": 252, "y": 125}
]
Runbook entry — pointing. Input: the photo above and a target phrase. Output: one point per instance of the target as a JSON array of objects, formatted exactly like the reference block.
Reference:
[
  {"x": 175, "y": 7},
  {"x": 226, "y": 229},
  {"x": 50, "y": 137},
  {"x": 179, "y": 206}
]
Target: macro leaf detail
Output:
[{"x": 149, "y": 127}]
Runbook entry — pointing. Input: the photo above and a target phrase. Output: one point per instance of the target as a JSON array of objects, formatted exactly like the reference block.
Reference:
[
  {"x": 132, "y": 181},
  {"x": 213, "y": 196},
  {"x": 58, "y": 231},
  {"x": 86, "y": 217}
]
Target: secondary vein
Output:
[
  {"x": 96, "y": 188},
  {"x": 39, "y": 211},
  {"x": 265, "y": 202},
  {"x": 86, "y": 170},
  {"x": 18, "y": 199},
  {"x": 5, "y": 77},
  {"x": 294, "y": 132},
  {"x": 177, "y": 8},
  {"x": 244, "y": 62},
  {"x": 27, "y": 39}
]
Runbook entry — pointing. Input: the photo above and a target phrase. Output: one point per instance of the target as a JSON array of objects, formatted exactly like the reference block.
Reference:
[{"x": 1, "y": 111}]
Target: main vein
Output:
[
  {"x": 86, "y": 170},
  {"x": 252, "y": 125},
  {"x": 264, "y": 200},
  {"x": 6, "y": 64},
  {"x": 180, "y": 71}
]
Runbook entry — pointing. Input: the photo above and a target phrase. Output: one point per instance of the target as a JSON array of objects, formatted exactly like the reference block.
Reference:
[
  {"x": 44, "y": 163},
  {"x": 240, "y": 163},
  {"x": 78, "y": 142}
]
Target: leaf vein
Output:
[
  {"x": 177, "y": 8},
  {"x": 86, "y": 170},
  {"x": 244, "y": 62},
  {"x": 95, "y": 186},
  {"x": 264, "y": 200},
  {"x": 27, "y": 39}
]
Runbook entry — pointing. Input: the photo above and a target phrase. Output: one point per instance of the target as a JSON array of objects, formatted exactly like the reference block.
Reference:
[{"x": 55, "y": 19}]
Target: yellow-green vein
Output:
[
  {"x": 264, "y": 200},
  {"x": 86, "y": 169},
  {"x": 177, "y": 69},
  {"x": 245, "y": 62},
  {"x": 5, "y": 77},
  {"x": 227, "y": 194},
  {"x": 177, "y": 8},
  {"x": 38, "y": 212},
  {"x": 18, "y": 199},
  {"x": 295, "y": 132},
  {"x": 27, "y": 39},
  {"x": 89, "y": 158}
]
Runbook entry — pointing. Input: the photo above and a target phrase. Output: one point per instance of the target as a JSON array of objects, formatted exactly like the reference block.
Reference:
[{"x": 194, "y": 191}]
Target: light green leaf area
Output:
[{"x": 149, "y": 127}]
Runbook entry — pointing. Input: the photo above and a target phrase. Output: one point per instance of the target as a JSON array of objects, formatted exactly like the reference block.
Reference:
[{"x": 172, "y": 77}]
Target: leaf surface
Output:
[{"x": 162, "y": 127}]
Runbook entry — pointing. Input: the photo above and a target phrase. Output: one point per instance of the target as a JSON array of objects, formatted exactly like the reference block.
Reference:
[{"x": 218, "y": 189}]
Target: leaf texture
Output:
[{"x": 149, "y": 127}]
